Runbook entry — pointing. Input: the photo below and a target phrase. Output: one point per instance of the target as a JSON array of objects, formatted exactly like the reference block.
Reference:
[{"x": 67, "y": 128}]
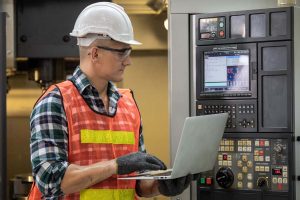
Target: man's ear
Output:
[{"x": 95, "y": 54}]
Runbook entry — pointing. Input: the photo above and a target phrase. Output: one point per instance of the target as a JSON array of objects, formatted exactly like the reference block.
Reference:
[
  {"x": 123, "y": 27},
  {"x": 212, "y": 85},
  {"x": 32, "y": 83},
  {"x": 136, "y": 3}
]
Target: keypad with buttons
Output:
[{"x": 242, "y": 114}]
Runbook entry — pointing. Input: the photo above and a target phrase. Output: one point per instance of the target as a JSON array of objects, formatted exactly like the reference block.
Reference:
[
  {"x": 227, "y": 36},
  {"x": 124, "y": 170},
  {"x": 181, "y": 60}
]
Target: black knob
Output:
[
  {"x": 225, "y": 177},
  {"x": 262, "y": 182},
  {"x": 278, "y": 148}
]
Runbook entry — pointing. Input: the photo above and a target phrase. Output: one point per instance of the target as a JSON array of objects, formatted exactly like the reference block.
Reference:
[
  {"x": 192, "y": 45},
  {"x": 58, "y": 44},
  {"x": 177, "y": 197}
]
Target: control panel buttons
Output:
[
  {"x": 239, "y": 163},
  {"x": 240, "y": 116},
  {"x": 257, "y": 143},
  {"x": 244, "y": 158},
  {"x": 267, "y": 168},
  {"x": 226, "y": 146},
  {"x": 221, "y": 34},
  {"x": 249, "y": 185},
  {"x": 205, "y": 181},
  {"x": 240, "y": 176},
  {"x": 257, "y": 168},
  {"x": 255, "y": 164},
  {"x": 284, "y": 168},
  {"x": 220, "y": 157},
  {"x": 240, "y": 184},
  {"x": 221, "y": 24},
  {"x": 267, "y": 143},
  {"x": 261, "y": 168},
  {"x": 249, "y": 164},
  {"x": 225, "y": 163},
  {"x": 229, "y": 157},
  {"x": 284, "y": 174},
  {"x": 260, "y": 158},
  {"x": 202, "y": 180},
  {"x": 208, "y": 181},
  {"x": 249, "y": 177},
  {"x": 284, "y": 181}
]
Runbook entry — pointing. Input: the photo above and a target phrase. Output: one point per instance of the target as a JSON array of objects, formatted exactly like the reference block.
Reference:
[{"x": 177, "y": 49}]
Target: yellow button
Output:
[
  {"x": 249, "y": 164},
  {"x": 244, "y": 158}
]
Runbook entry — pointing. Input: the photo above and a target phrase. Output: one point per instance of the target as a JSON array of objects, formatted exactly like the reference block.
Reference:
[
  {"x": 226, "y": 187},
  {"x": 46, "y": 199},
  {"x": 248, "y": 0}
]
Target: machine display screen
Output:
[
  {"x": 226, "y": 71},
  {"x": 209, "y": 25}
]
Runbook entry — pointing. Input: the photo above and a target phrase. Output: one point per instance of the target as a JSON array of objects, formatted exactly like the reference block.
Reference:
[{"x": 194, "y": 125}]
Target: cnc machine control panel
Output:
[
  {"x": 247, "y": 164},
  {"x": 243, "y": 65}
]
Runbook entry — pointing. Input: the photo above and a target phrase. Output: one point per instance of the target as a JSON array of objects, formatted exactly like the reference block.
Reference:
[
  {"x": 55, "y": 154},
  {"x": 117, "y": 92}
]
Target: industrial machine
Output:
[
  {"x": 245, "y": 63},
  {"x": 44, "y": 47},
  {"x": 244, "y": 66}
]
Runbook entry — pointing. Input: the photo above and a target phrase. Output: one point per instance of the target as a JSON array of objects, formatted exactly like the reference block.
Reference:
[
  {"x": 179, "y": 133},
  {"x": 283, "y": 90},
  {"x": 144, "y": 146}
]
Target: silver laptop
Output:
[{"x": 197, "y": 150}]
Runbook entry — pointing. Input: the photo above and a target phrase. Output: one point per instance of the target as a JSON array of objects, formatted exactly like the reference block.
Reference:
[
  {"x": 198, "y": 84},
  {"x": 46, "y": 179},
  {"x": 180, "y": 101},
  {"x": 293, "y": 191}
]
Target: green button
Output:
[
  {"x": 221, "y": 24},
  {"x": 202, "y": 181}
]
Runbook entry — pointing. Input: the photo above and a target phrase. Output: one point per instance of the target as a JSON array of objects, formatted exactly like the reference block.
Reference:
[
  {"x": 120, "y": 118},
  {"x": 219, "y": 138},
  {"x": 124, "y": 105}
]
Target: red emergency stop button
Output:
[
  {"x": 221, "y": 33},
  {"x": 208, "y": 181}
]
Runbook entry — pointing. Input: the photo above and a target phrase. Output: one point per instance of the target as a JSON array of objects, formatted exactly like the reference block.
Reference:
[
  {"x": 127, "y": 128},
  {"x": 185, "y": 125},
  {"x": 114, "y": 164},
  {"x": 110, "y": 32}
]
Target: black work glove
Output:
[
  {"x": 138, "y": 162},
  {"x": 173, "y": 187}
]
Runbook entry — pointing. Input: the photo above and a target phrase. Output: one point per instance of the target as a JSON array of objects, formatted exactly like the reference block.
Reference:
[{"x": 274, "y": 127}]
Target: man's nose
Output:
[{"x": 127, "y": 61}]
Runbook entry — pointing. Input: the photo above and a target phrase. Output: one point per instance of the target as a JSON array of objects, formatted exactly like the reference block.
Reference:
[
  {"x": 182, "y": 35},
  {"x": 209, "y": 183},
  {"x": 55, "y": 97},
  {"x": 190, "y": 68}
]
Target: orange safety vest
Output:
[{"x": 94, "y": 137}]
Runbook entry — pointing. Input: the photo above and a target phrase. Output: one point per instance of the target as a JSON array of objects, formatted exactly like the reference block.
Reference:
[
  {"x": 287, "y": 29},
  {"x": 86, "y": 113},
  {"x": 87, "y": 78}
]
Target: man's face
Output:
[{"x": 113, "y": 57}]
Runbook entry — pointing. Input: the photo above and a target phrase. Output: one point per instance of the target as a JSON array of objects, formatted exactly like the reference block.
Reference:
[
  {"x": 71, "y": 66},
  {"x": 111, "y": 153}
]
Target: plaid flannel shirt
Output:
[{"x": 49, "y": 133}]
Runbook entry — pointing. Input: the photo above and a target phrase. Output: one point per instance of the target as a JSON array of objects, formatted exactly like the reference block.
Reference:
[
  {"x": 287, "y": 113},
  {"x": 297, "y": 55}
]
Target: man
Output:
[{"x": 84, "y": 131}]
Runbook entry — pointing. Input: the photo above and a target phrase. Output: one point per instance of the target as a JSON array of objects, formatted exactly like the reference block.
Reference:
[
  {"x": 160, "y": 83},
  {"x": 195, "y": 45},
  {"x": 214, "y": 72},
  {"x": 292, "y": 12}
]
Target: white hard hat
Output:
[{"x": 103, "y": 20}]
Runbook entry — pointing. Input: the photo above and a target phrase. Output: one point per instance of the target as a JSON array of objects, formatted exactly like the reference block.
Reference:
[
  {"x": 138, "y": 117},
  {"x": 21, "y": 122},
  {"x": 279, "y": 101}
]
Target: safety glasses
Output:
[{"x": 123, "y": 53}]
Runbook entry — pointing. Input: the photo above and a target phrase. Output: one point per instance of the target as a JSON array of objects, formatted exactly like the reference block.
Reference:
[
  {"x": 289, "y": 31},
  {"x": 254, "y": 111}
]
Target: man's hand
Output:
[
  {"x": 138, "y": 162},
  {"x": 173, "y": 187}
]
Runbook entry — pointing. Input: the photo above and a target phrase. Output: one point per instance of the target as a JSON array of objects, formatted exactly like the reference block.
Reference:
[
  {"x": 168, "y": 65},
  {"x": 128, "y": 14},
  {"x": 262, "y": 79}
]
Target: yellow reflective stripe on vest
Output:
[
  {"x": 107, "y": 137},
  {"x": 107, "y": 194}
]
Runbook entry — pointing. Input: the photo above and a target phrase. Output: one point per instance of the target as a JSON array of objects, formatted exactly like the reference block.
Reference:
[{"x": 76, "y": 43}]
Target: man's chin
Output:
[{"x": 117, "y": 80}]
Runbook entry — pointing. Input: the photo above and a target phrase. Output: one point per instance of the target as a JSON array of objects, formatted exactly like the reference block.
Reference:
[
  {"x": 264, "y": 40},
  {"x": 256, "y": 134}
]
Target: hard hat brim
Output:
[{"x": 132, "y": 42}]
